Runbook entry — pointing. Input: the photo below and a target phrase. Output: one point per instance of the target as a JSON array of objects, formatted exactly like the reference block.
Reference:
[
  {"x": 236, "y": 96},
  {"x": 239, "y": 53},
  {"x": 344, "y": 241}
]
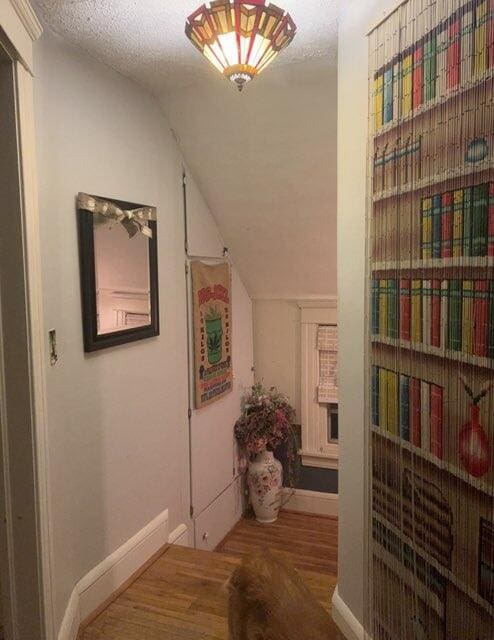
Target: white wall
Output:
[
  {"x": 355, "y": 19},
  {"x": 277, "y": 356},
  {"x": 118, "y": 427}
]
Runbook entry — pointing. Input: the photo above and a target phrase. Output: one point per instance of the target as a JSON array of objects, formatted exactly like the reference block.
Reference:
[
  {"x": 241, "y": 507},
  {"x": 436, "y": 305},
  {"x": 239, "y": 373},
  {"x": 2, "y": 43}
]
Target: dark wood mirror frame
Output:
[{"x": 92, "y": 340}]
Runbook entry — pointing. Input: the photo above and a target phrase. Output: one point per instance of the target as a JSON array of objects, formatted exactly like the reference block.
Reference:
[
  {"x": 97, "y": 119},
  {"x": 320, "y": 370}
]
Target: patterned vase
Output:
[
  {"x": 475, "y": 450},
  {"x": 265, "y": 482}
]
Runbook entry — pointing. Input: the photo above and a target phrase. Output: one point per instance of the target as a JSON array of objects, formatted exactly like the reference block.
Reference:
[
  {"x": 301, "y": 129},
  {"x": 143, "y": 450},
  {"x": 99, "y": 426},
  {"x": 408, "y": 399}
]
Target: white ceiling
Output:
[{"x": 265, "y": 159}]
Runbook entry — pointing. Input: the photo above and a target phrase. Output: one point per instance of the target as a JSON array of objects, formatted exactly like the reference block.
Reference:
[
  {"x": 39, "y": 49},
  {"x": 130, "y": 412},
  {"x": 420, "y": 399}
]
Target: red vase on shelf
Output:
[{"x": 475, "y": 448}]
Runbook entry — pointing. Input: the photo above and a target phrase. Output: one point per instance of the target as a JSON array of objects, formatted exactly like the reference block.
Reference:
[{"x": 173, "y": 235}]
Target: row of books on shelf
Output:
[
  {"x": 409, "y": 408},
  {"x": 458, "y": 50},
  {"x": 458, "y": 223},
  {"x": 457, "y": 315}
]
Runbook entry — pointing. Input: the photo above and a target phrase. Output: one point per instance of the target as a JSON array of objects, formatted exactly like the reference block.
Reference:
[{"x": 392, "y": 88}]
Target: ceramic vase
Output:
[
  {"x": 265, "y": 482},
  {"x": 475, "y": 450}
]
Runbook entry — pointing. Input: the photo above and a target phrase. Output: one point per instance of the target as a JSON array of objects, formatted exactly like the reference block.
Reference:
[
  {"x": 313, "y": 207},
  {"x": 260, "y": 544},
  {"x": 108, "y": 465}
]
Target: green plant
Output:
[{"x": 213, "y": 314}]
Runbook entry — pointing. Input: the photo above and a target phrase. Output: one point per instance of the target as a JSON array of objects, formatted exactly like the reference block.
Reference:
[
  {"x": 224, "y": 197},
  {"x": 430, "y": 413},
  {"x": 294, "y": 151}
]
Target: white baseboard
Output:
[
  {"x": 316, "y": 502},
  {"x": 106, "y": 578},
  {"x": 180, "y": 536},
  {"x": 72, "y": 619},
  {"x": 347, "y": 623}
]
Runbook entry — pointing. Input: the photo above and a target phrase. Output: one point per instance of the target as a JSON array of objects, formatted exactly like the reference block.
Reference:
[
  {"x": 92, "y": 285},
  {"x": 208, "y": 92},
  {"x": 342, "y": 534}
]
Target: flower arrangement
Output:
[{"x": 266, "y": 423}]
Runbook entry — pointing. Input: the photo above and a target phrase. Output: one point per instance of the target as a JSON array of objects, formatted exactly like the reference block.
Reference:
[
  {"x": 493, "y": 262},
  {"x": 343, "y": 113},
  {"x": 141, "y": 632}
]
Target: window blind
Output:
[{"x": 327, "y": 345}]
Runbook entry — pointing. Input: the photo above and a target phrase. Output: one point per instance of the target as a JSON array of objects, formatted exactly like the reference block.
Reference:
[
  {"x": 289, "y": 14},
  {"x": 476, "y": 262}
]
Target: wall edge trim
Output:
[
  {"x": 28, "y": 18},
  {"x": 347, "y": 623}
]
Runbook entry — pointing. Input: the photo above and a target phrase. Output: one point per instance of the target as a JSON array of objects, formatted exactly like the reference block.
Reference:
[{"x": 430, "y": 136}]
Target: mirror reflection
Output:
[{"x": 123, "y": 298}]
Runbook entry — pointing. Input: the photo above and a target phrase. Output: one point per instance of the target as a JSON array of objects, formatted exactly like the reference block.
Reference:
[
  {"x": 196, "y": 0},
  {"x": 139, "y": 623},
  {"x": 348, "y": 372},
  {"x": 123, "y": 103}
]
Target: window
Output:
[{"x": 319, "y": 346}]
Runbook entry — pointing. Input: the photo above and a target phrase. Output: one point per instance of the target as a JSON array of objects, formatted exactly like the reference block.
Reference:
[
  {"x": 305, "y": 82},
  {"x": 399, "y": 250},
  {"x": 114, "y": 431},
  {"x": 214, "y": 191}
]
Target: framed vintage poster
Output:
[{"x": 211, "y": 291}]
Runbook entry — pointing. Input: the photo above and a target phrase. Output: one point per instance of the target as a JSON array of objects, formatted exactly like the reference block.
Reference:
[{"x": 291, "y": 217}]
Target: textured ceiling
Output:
[{"x": 264, "y": 159}]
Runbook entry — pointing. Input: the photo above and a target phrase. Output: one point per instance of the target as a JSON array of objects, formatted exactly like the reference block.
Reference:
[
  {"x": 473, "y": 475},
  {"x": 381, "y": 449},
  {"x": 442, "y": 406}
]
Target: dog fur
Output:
[{"x": 269, "y": 601}]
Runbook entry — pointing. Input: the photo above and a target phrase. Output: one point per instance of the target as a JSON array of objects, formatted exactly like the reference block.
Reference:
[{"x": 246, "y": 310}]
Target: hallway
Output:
[{"x": 182, "y": 596}]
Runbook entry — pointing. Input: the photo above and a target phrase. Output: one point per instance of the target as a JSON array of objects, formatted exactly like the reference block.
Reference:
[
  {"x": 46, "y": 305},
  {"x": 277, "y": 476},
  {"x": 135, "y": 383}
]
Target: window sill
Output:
[{"x": 319, "y": 460}]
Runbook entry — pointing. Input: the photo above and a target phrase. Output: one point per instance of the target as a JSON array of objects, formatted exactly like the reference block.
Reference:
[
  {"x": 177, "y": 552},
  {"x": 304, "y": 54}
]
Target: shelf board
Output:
[
  {"x": 437, "y": 352},
  {"x": 409, "y": 578},
  {"x": 439, "y": 178},
  {"x": 433, "y": 104},
  {"x": 476, "y": 483},
  {"x": 446, "y": 573},
  {"x": 464, "y": 262}
]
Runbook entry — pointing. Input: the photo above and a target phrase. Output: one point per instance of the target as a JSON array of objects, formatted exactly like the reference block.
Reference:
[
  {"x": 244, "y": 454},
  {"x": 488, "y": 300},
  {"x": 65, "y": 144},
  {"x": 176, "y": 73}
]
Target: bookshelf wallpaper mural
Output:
[{"x": 431, "y": 346}]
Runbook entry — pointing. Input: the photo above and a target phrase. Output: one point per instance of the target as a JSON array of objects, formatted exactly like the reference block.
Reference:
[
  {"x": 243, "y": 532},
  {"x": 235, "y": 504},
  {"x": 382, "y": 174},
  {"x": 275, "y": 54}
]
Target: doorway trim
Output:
[{"x": 21, "y": 28}]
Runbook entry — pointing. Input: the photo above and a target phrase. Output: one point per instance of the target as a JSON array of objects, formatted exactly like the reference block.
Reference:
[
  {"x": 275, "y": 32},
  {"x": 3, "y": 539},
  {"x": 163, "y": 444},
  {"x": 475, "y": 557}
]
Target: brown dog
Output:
[{"x": 269, "y": 601}]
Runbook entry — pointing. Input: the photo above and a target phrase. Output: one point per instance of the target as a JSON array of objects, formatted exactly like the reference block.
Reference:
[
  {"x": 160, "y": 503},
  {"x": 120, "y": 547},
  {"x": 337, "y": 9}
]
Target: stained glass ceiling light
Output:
[{"x": 240, "y": 38}]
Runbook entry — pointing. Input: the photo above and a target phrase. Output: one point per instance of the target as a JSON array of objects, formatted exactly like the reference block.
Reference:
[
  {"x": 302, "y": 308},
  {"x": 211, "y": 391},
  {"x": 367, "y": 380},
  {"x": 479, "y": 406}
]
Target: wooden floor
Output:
[
  {"x": 310, "y": 543},
  {"x": 183, "y": 595}
]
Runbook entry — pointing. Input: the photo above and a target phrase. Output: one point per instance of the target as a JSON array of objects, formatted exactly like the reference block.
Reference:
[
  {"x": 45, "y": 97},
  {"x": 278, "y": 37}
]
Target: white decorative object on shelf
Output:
[{"x": 265, "y": 481}]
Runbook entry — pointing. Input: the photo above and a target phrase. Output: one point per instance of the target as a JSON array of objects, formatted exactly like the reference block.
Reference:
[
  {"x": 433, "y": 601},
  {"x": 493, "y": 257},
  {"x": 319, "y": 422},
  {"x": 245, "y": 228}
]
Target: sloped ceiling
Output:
[{"x": 264, "y": 159}]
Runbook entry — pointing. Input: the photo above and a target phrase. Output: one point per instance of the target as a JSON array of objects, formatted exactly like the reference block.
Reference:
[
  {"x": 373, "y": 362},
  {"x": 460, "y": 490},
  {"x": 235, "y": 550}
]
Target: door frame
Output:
[{"x": 19, "y": 29}]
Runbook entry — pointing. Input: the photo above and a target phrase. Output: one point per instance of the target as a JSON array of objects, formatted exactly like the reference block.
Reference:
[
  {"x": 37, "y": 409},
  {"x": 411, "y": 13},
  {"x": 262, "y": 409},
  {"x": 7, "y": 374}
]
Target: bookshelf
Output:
[
  {"x": 435, "y": 180},
  {"x": 418, "y": 347},
  {"x": 431, "y": 317},
  {"x": 449, "y": 575},
  {"x": 410, "y": 580},
  {"x": 485, "y": 487},
  {"x": 434, "y": 104},
  {"x": 481, "y": 262}
]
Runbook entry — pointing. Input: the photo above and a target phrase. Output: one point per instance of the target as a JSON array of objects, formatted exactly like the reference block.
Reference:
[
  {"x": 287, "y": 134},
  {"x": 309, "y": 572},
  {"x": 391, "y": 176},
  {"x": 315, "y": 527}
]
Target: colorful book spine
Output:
[
  {"x": 406, "y": 83},
  {"x": 405, "y": 407},
  {"x": 426, "y": 228},
  {"x": 393, "y": 305},
  {"x": 481, "y": 17},
  {"x": 490, "y": 221},
  {"x": 426, "y": 311},
  {"x": 405, "y": 309},
  {"x": 430, "y": 67},
  {"x": 388, "y": 94},
  {"x": 375, "y": 308},
  {"x": 378, "y": 100},
  {"x": 447, "y": 225},
  {"x": 375, "y": 395},
  {"x": 467, "y": 37},
  {"x": 397, "y": 87},
  {"x": 437, "y": 421},
  {"x": 467, "y": 221},
  {"x": 436, "y": 226},
  {"x": 383, "y": 399},
  {"x": 442, "y": 43},
  {"x": 467, "y": 317},
  {"x": 436, "y": 309},
  {"x": 458, "y": 223},
  {"x": 444, "y": 314},
  {"x": 490, "y": 339},
  {"x": 480, "y": 205},
  {"x": 418, "y": 75},
  {"x": 425, "y": 414},
  {"x": 453, "y": 56},
  {"x": 454, "y": 316},
  {"x": 393, "y": 414},
  {"x": 480, "y": 317},
  {"x": 415, "y": 413},
  {"x": 416, "y": 310},
  {"x": 383, "y": 308}
]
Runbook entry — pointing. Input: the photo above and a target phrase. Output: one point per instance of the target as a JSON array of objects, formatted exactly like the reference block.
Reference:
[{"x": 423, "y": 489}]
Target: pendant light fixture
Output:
[{"x": 240, "y": 38}]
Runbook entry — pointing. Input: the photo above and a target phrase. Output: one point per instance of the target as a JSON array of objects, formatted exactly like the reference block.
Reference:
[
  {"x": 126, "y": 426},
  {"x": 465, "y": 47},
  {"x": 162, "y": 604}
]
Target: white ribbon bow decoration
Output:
[{"x": 134, "y": 220}]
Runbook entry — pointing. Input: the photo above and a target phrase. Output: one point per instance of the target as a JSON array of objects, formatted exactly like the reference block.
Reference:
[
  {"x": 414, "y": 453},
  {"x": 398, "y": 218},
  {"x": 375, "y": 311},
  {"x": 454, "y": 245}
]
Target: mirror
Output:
[{"x": 118, "y": 251}]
